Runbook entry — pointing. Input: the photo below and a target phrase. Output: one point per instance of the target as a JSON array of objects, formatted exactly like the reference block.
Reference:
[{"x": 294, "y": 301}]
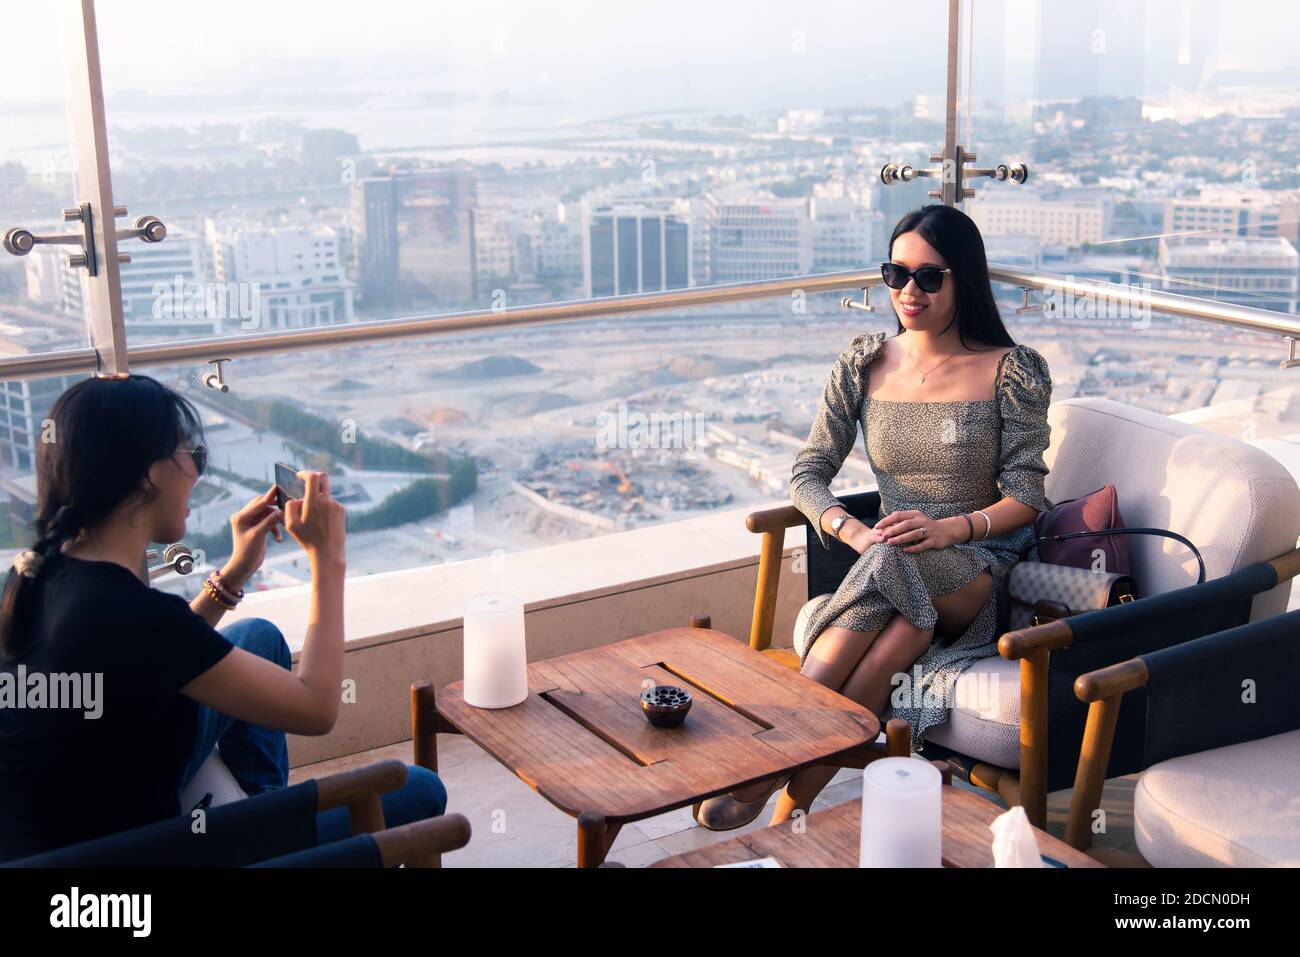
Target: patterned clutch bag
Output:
[{"x": 1039, "y": 592}]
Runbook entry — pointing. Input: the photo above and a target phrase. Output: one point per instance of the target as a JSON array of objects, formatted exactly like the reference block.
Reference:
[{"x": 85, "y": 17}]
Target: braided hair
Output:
[{"x": 107, "y": 434}]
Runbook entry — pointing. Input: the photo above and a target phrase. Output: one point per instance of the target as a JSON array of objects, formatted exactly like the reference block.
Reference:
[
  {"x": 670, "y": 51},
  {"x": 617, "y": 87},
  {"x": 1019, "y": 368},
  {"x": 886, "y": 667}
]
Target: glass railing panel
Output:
[
  {"x": 1152, "y": 133},
  {"x": 41, "y": 298},
  {"x": 484, "y": 445},
  {"x": 427, "y": 159}
]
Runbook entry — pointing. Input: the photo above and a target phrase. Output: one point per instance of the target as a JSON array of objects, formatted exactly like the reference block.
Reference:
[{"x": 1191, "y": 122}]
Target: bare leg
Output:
[
  {"x": 899, "y": 644},
  {"x": 897, "y": 647},
  {"x": 830, "y": 661}
]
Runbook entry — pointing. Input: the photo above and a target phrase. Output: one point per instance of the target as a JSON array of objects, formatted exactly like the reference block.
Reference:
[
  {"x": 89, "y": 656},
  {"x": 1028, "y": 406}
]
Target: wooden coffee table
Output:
[
  {"x": 581, "y": 741},
  {"x": 830, "y": 839}
]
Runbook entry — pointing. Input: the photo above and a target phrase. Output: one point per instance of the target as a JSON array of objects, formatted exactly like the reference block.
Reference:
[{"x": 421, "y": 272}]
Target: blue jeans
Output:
[{"x": 259, "y": 757}]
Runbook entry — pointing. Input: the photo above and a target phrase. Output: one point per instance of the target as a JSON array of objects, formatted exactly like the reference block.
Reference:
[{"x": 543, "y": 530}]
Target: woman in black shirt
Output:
[{"x": 113, "y": 694}]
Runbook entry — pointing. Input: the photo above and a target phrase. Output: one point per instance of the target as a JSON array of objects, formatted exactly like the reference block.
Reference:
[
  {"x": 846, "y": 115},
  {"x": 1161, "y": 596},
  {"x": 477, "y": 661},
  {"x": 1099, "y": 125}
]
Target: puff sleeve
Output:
[
  {"x": 833, "y": 433},
  {"x": 1024, "y": 393}
]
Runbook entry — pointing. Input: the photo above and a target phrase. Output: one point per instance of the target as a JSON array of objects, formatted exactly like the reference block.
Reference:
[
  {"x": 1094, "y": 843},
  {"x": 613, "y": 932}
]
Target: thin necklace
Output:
[{"x": 924, "y": 372}]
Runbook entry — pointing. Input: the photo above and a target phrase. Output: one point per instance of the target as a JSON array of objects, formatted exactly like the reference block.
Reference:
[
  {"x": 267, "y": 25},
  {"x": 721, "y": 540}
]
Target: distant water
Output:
[{"x": 376, "y": 128}]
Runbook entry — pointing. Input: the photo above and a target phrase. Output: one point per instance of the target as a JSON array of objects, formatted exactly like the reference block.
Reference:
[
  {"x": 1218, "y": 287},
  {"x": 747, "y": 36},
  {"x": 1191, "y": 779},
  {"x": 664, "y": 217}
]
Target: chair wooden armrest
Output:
[
  {"x": 359, "y": 790},
  {"x": 1021, "y": 644},
  {"x": 1030, "y": 646},
  {"x": 1286, "y": 565},
  {"x": 1102, "y": 690},
  {"x": 422, "y": 843},
  {"x": 776, "y": 519},
  {"x": 771, "y": 523}
]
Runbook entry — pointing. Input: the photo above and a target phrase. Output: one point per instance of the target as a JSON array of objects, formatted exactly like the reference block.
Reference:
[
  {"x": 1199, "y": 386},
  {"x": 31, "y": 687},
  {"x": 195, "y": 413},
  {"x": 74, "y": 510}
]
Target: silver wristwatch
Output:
[{"x": 837, "y": 523}]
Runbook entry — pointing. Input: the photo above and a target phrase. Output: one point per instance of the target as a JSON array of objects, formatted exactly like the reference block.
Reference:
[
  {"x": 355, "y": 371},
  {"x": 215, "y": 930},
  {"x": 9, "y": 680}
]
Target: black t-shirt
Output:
[{"x": 66, "y": 777}]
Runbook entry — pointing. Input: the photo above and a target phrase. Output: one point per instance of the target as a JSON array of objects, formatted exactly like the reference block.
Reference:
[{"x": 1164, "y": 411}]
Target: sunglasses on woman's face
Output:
[
  {"x": 928, "y": 278},
  {"x": 200, "y": 456}
]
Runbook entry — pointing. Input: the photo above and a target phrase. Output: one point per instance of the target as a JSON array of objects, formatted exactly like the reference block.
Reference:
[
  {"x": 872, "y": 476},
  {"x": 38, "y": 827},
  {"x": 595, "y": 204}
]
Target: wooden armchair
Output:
[
  {"x": 241, "y": 833},
  {"x": 1217, "y": 739},
  {"x": 1041, "y": 663},
  {"x": 409, "y": 845}
]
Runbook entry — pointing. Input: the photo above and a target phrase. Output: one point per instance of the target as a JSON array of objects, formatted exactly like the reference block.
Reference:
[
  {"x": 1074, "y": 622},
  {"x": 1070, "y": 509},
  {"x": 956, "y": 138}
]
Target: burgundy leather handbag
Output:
[{"x": 1066, "y": 580}]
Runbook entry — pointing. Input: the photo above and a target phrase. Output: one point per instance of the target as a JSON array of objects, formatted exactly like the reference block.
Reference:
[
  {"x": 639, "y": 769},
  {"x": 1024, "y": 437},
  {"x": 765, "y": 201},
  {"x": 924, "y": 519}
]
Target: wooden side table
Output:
[
  {"x": 829, "y": 838},
  {"x": 581, "y": 741}
]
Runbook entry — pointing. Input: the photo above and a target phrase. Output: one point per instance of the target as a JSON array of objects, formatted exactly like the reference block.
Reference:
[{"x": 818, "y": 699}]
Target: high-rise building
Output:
[
  {"x": 375, "y": 236},
  {"x": 436, "y": 227},
  {"x": 495, "y": 254},
  {"x": 631, "y": 247}
]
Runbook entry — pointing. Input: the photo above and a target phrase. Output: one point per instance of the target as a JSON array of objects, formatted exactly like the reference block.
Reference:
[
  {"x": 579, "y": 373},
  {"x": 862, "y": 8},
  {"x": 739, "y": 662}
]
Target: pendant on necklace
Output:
[{"x": 922, "y": 377}]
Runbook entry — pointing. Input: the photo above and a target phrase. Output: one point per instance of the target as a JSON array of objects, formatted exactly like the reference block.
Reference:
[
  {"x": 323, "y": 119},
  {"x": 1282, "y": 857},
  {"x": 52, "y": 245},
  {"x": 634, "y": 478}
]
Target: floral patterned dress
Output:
[{"x": 943, "y": 459}]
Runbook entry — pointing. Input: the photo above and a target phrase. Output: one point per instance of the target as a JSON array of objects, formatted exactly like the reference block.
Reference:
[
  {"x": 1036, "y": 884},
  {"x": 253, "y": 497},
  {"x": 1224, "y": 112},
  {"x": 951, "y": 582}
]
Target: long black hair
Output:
[
  {"x": 102, "y": 436},
  {"x": 957, "y": 239}
]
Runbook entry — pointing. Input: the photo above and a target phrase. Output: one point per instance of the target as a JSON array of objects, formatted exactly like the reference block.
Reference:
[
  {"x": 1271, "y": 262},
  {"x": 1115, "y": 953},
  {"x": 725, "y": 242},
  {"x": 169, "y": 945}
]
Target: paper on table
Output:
[
  {"x": 761, "y": 862},
  {"x": 1014, "y": 844}
]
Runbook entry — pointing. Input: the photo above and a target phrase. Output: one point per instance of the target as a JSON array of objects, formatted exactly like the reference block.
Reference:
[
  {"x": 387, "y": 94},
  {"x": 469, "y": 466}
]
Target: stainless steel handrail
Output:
[{"x": 267, "y": 343}]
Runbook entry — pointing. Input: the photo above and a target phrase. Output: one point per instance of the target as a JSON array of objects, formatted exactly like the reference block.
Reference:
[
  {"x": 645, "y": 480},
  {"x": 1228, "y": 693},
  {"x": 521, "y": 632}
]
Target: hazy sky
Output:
[{"x": 725, "y": 53}]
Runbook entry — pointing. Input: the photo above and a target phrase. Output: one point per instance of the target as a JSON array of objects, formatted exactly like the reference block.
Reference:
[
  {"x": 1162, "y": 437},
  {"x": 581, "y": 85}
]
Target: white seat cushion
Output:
[
  {"x": 1237, "y": 806},
  {"x": 801, "y": 621},
  {"x": 985, "y": 720},
  {"x": 212, "y": 777}
]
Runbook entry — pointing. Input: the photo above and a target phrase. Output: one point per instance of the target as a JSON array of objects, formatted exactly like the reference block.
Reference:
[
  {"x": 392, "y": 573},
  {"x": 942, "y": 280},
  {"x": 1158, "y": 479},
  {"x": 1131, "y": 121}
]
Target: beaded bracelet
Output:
[
  {"x": 231, "y": 596},
  {"x": 971, "y": 536},
  {"x": 216, "y": 595}
]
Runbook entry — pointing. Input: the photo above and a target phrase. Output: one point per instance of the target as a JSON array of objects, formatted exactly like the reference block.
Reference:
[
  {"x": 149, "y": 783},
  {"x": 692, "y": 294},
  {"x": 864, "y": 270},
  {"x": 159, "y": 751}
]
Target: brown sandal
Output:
[{"x": 726, "y": 813}]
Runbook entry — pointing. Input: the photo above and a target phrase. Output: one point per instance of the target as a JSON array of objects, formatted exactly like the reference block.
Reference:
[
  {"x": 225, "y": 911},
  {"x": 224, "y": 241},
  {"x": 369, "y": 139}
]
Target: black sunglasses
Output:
[
  {"x": 200, "y": 455},
  {"x": 928, "y": 278}
]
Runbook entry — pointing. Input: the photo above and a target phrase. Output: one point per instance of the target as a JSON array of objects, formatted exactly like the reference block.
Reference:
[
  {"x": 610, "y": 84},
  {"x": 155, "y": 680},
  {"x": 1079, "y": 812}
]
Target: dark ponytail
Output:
[{"x": 107, "y": 434}]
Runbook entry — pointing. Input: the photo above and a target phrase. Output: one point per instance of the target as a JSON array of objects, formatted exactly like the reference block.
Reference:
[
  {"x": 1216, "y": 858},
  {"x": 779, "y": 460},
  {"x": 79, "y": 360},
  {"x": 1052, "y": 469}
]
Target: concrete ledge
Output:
[{"x": 406, "y": 626}]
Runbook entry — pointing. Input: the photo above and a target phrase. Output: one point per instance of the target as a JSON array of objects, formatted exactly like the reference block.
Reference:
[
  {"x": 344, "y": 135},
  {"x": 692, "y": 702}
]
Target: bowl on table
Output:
[{"x": 665, "y": 706}]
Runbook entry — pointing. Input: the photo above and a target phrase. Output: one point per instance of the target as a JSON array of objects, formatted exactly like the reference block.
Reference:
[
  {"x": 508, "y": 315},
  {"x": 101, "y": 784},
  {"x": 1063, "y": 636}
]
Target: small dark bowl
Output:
[{"x": 665, "y": 706}]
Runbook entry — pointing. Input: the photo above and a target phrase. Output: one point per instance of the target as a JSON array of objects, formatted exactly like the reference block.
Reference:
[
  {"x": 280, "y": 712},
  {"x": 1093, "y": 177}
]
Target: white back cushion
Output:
[{"x": 1235, "y": 502}]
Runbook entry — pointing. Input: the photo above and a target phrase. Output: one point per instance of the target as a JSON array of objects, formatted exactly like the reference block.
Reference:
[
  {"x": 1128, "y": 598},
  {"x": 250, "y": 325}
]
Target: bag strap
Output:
[{"x": 1200, "y": 578}]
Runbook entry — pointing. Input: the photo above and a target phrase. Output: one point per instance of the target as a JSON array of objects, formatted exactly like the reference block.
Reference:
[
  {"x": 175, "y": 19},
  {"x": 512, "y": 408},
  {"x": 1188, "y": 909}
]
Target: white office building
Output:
[
  {"x": 294, "y": 272},
  {"x": 754, "y": 236},
  {"x": 1066, "y": 222},
  {"x": 845, "y": 235},
  {"x": 1264, "y": 273},
  {"x": 1235, "y": 212}
]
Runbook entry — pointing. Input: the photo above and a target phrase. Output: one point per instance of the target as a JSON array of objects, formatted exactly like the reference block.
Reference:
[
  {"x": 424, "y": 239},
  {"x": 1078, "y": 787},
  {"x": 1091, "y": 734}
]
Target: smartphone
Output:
[{"x": 287, "y": 484}]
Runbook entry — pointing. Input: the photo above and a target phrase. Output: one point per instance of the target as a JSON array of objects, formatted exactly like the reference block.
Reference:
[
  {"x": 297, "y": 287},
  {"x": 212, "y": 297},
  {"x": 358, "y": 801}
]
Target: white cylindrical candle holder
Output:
[
  {"x": 902, "y": 814},
  {"x": 496, "y": 654}
]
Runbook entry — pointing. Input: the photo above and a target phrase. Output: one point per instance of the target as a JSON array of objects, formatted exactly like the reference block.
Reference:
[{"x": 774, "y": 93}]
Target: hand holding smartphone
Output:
[
  {"x": 318, "y": 522},
  {"x": 287, "y": 484}
]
